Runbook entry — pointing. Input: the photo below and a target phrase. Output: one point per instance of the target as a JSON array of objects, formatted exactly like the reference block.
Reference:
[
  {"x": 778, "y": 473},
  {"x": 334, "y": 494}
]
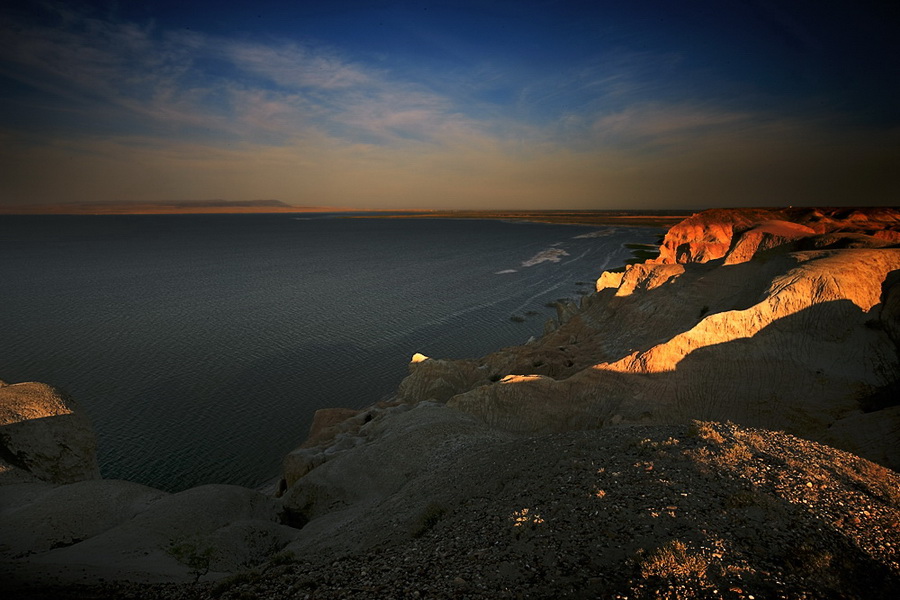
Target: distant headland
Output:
[{"x": 161, "y": 208}]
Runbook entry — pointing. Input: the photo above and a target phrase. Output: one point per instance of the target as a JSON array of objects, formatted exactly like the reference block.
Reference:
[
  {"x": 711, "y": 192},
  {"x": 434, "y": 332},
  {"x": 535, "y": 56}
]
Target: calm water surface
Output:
[{"x": 201, "y": 345}]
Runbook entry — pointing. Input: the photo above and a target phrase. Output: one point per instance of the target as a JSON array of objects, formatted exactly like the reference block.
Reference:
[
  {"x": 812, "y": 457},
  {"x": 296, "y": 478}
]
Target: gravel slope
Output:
[{"x": 702, "y": 511}]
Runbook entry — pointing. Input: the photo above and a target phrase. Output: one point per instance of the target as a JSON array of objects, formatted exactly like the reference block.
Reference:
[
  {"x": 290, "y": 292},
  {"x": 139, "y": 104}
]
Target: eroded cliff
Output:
[{"x": 764, "y": 322}]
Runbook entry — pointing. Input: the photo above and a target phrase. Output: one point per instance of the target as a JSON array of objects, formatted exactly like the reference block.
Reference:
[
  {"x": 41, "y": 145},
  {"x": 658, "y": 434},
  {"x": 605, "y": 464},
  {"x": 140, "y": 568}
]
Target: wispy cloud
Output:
[
  {"x": 145, "y": 113},
  {"x": 156, "y": 81},
  {"x": 295, "y": 67}
]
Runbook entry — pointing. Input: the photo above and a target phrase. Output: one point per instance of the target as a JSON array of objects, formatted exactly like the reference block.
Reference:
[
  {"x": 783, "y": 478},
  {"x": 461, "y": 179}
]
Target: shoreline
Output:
[
  {"x": 638, "y": 218},
  {"x": 562, "y": 217},
  {"x": 270, "y": 486},
  {"x": 568, "y": 294}
]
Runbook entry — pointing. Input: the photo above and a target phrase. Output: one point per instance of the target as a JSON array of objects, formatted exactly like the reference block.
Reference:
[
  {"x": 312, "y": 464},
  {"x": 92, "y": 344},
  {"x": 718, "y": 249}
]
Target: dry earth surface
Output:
[{"x": 702, "y": 511}]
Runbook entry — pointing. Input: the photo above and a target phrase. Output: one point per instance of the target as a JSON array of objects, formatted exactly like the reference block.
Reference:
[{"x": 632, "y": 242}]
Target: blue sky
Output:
[{"x": 451, "y": 104}]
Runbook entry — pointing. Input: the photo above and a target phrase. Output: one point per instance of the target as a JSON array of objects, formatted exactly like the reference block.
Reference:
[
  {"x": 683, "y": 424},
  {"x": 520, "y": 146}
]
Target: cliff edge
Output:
[{"x": 774, "y": 320}]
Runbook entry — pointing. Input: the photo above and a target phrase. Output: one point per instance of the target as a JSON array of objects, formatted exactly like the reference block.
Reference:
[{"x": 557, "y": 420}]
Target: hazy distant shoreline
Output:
[
  {"x": 162, "y": 208},
  {"x": 645, "y": 218},
  {"x": 634, "y": 218}
]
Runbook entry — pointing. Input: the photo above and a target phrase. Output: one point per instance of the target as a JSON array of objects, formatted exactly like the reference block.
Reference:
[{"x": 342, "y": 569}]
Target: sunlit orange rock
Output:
[
  {"x": 711, "y": 234},
  {"x": 708, "y": 235},
  {"x": 765, "y": 236}
]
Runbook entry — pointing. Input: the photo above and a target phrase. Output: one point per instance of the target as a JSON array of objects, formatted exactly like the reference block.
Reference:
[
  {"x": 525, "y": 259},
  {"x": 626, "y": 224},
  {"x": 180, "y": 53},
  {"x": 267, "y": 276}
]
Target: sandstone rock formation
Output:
[
  {"x": 764, "y": 236},
  {"x": 798, "y": 342},
  {"x": 711, "y": 234},
  {"x": 749, "y": 317},
  {"x": 784, "y": 319},
  {"x": 434, "y": 379},
  {"x": 43, "y": 437},
  {"x": 708, "y": 235}
]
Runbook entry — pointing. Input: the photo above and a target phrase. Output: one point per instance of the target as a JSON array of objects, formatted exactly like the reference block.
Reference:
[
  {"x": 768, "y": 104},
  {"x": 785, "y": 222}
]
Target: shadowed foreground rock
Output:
[{"x": 705, "y": 510}]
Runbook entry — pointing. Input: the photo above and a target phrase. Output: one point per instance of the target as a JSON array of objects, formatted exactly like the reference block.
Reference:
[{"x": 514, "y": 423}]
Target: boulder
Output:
[
  {"x": 44, "y": 436},
  {"x": 765, "y": 236},
  {"x": 351, "y": 500},
  {"x": 438, "y": 380}
]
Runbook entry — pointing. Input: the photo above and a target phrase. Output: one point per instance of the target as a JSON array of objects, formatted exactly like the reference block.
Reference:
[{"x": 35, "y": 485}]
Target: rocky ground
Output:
[{"x": 698, "y": 511}]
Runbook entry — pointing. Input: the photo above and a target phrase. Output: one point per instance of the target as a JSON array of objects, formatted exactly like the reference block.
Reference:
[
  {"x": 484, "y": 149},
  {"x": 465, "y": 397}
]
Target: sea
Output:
[{"x": 201, "y": 345}]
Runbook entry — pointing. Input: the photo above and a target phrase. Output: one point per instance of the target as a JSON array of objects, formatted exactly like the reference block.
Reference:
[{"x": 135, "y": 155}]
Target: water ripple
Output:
[{"x": 201, "y": 346}]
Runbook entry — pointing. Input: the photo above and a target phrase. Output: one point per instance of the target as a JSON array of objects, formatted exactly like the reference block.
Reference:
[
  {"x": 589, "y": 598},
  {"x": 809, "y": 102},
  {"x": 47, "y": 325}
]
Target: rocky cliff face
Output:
[
  {"x": 711, "y": 234},
  {"x": 782, "y": 319},
  {"x": 799, "y": 343},
  {"x": 745, "y": 327},
  {"x": 745, "y": 317}
]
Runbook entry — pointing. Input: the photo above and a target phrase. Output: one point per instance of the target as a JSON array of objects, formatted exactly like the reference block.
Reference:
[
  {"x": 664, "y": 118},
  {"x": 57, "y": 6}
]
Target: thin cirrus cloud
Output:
[
  {"x": 121, "y": 111},
  {"x": 295, "y": 67}
]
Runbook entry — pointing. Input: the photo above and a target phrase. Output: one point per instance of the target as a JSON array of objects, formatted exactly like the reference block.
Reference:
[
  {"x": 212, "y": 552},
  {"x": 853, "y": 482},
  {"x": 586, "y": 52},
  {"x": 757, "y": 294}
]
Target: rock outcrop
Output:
[
  {"x": 749, "y": 317},
  {"x": 59, "y": 522},
  {"x": 44, "y": 437},
  {"x": 711, "y": 234},
  {"x": 708, "y": 235},
  {"x": 439, "y": 380},
  {"x": 764, "y": 236},
  {"x": 767, "y": 345}
]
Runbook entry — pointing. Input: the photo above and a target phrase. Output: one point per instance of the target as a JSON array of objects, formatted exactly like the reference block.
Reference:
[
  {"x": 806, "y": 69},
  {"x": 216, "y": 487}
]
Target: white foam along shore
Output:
[{"x": 549, "y": 255}]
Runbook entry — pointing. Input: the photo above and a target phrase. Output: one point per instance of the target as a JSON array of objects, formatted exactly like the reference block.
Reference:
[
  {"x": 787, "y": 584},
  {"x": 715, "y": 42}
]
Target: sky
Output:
[{"x": 443, "y": 105}]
